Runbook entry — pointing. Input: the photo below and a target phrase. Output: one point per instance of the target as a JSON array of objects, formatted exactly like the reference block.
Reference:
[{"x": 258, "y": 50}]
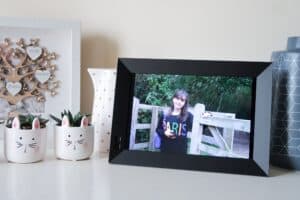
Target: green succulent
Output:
[
  {"x": 75, "y": 120},
  {"x": 26, "y": 121}
]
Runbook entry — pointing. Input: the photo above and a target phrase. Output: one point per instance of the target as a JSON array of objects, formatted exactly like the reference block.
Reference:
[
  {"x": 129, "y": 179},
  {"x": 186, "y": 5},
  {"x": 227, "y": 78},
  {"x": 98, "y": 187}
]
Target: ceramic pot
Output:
[
  {"x": 25, "y": 146},
  {"x": 74, "y": 143}
]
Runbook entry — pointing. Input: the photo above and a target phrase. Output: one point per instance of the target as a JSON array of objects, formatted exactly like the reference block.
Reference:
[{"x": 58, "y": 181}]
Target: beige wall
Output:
[{"x": 190, "y": 29}]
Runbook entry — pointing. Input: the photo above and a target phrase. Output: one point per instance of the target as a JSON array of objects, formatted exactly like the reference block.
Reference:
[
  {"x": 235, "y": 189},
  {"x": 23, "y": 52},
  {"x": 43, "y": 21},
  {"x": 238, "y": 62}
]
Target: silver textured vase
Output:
[{"x": 285, "y": 145}]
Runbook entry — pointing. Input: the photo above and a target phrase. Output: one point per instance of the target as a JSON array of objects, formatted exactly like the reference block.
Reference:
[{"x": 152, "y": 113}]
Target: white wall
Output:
[{"x": 191, "y": 29}]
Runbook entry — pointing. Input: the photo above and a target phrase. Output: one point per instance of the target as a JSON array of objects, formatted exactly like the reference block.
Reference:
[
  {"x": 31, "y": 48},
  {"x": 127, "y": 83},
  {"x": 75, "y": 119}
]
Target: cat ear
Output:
[
  {"x": 36, "y": 124},
  {"x": 65, "y": 121},
  {"x": 84, "y": 122},
  {"x": 16, "y": 123}
]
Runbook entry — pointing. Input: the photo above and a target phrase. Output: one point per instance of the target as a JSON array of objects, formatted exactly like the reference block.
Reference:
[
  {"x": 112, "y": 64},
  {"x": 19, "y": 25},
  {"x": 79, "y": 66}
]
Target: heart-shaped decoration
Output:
[
  {"x": 42, "y": 75},
  {"x": 34, "y": 52},
  {"x": 14, "y": 87},
  {"x": 15, "y": 61}
]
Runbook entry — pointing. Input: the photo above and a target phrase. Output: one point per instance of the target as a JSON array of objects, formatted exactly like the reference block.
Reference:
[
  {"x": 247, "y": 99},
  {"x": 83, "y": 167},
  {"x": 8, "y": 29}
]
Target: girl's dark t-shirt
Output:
[{"x": 179, "y": 128}]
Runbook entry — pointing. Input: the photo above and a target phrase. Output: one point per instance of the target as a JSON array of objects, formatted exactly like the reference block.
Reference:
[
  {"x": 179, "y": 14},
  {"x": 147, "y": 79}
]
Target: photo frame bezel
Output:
[{"x": 258, "y": 162}]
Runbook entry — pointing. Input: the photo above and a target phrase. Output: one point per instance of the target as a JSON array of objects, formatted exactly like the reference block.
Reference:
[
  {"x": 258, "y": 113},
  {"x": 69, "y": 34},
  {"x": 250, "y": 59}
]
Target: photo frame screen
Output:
[{"x": 172, "y": 113}]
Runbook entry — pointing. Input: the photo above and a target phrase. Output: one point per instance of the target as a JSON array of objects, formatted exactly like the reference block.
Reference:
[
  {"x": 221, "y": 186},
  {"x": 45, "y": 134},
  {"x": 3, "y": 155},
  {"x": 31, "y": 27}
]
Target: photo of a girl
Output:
[
  {"x": 174, "y": 124},
  {"x": 189, "y": 114}
]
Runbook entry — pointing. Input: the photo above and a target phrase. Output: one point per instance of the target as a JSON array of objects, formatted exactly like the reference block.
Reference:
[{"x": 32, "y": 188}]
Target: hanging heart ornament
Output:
[
  {"x": 14, "y": 87},
  {"x": 15, "y": 60},
  {"x": 42, "y": 75},
  {"x": 34, "y": 52}
]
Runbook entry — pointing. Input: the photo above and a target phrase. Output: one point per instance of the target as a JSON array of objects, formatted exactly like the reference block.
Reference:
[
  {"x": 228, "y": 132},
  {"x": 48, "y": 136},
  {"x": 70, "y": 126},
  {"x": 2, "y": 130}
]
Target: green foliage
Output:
[
  {"x": 75, "y": 120},
  {"x": 142, "y": 135},
  {"x": 218, "y": 93},
  {"x": 26, "y": 121},
  {"x": 144, "y": 116}
]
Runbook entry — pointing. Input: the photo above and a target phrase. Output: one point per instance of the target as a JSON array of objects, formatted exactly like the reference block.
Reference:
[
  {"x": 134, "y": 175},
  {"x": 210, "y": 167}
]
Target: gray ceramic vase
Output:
[{"x": 285, "y": 143}]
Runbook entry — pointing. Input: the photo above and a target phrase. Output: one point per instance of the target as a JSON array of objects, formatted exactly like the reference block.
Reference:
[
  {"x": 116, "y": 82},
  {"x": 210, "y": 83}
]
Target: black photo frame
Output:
[{"x": 258, "y": 161}]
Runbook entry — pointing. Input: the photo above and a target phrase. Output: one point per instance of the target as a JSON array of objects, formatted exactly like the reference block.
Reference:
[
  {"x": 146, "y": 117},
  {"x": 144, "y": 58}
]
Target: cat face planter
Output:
[
  {"x": 74, "y": 143},
  {"x": 25, "y": 146}
]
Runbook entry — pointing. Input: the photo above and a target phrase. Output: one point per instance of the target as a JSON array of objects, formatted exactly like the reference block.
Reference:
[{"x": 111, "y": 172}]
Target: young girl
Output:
[{"x": 174, "y": 125}]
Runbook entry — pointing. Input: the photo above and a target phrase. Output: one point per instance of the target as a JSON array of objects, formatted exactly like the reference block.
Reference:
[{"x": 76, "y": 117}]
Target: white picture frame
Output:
[{"x": 61, "y": 37}]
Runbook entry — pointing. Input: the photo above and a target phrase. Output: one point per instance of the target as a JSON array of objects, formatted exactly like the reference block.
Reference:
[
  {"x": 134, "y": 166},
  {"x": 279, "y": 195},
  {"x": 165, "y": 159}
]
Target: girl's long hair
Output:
[{"x": 181, "y": 94}]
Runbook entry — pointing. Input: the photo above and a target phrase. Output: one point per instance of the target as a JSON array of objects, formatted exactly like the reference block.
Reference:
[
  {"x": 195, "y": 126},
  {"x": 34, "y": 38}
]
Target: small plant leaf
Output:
[
  {"x": 56, "y": 119},
  {"x": 70, "y": 116},
  {"x": 74, "y": 120},
  {"x": 26, "y": 121}
]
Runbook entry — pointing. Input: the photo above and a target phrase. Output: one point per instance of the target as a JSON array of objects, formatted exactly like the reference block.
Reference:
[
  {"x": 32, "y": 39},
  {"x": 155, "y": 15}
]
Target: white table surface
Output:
[{"x": 97, "y": 179}]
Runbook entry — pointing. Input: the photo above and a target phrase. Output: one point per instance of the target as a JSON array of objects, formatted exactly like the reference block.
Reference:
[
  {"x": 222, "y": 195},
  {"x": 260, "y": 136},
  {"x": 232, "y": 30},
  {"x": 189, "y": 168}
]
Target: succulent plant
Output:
[
  {"x": 26, "y": 121},
  {"x": 75, "y": 120}
]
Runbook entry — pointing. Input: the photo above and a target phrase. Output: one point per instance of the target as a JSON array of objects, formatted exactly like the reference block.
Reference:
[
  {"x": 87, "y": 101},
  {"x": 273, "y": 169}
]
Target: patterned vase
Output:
[
  {"x": 285, "y": 143},
  {"x": 104, "y": 87}
]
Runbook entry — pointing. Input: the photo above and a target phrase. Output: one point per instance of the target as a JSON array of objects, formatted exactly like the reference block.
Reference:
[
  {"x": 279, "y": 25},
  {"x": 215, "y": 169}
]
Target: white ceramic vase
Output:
[
  {"x": 104, "y": 91},
  {"x": 73, "y": 143},
  {"x": 25, "y": 146}
]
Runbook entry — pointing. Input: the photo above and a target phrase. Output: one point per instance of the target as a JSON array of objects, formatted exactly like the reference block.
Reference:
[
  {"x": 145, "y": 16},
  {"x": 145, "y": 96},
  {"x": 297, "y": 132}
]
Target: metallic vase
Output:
[{"x": 285, "y": 143}]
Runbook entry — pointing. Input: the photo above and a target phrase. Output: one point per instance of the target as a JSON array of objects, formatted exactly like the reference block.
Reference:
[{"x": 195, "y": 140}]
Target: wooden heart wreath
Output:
[{"x": 26, "y": 70}]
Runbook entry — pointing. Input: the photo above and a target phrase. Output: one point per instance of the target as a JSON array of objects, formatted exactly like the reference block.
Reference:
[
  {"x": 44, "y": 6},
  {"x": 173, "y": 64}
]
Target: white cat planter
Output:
[
  {"x": 25, "y": 146},
  {"x": 74, "y": 143}
]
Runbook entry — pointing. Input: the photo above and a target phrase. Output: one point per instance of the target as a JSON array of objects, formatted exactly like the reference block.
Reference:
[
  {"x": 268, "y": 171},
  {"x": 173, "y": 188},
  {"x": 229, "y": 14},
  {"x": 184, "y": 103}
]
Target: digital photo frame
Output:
[{"x": 193, "y": 115}]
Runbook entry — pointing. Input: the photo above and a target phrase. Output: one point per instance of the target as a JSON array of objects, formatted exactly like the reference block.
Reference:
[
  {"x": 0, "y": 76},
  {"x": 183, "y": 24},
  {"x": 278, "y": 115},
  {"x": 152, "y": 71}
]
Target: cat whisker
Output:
[
  {"x": 80, "y": 141},
  {"x": 33, "y": 145},
  {"x": 69, "y": 142},
  {"x": 19, "y": 144}
]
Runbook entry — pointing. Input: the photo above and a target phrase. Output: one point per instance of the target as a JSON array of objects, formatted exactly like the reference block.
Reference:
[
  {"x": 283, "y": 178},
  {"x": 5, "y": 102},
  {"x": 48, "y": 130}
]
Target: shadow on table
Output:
[{"x": 276, "y": 171}]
